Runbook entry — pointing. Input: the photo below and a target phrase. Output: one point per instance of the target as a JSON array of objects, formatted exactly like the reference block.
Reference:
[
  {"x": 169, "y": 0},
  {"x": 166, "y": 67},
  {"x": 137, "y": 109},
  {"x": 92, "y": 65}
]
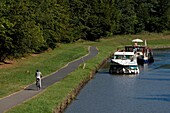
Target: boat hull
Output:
[
  {"x": 141, "y": 60},
  {"x": 123, "y": 69}
]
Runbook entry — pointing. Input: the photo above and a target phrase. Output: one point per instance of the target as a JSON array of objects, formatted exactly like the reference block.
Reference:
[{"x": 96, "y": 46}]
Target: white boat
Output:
[
  {"x": 124, "y": 62},
  {"x": 143, "y": 52}
]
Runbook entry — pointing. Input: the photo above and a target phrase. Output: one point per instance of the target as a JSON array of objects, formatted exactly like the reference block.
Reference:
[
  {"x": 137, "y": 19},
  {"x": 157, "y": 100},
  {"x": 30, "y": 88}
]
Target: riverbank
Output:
[
  {"x": 56, "y": 97},
  {"x": 146, "y": 92}
]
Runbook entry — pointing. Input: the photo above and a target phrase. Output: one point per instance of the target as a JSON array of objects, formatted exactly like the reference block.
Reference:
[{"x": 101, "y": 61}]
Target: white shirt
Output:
[{"x": 38, "y": 75}]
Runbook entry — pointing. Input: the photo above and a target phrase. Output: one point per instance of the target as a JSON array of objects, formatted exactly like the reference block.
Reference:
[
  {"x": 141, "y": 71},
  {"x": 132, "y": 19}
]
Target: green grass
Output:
[
  {"x": 18, "y": 75},
  {"x": 48, "y": 100}
]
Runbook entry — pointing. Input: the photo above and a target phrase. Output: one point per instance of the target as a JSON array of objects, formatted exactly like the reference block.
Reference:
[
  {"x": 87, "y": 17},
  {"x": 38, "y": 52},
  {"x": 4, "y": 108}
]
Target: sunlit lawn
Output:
[{"x": 23, "y": 71}]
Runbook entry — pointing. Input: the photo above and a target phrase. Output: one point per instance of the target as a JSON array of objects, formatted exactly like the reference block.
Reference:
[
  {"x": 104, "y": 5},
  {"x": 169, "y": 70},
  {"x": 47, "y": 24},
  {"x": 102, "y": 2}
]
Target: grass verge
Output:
[
  {"x": 53, "y": 96},
  {"x": 17, "y": 75}
]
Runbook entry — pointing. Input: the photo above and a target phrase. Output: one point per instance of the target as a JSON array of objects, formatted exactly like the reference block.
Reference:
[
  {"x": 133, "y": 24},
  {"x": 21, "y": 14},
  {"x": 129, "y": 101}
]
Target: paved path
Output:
[{"x": 21, "y": 96}]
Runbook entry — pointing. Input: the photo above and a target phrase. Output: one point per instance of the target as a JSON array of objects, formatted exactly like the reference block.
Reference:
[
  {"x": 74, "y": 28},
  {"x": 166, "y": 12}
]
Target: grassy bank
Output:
[
  {"x": 48, "y": 100},
  {"x": 18, "y": 74}
]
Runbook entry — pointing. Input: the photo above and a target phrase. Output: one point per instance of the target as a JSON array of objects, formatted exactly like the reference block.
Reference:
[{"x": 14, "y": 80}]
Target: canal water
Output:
[{"x": 147, "y": 92}]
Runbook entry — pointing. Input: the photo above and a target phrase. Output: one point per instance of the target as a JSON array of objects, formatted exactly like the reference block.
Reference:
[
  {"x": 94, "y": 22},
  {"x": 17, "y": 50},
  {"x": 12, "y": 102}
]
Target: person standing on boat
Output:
[
  {"x": 135, "y": 47},
  {"x": 135, "y": 44}
]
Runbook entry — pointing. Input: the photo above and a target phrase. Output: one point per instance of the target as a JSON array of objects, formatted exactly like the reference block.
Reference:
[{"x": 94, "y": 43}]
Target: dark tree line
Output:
[{"x": 28, "y": 26}]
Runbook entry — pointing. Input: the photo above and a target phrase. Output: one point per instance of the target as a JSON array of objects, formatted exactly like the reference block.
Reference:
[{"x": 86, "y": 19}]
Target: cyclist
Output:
[{"x": 38, "y": 76}]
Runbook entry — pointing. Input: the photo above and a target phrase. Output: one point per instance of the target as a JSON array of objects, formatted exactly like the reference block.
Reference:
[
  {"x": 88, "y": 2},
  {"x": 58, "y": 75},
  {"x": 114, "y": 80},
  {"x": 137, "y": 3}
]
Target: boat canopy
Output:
[{"x": 137, "y": 40}]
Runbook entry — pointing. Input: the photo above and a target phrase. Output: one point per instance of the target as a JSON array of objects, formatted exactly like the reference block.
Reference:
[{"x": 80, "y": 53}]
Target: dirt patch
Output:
[
  {"x": 7, "y": 64},
  {"x": 15, "y": 62}
]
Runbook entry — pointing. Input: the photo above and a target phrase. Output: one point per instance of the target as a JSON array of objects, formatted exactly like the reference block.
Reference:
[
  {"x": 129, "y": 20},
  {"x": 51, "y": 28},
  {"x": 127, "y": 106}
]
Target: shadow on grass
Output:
[{"x": 5, "y": 62}]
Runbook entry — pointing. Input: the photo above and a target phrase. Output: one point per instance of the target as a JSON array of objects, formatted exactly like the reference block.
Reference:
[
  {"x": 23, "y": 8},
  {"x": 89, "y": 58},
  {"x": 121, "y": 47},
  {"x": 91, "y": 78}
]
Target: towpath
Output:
[{"x": 19, "y": 97}]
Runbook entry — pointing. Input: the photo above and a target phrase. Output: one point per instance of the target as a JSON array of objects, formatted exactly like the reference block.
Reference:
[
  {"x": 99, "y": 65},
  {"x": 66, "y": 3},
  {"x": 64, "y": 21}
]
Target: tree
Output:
[
  {"x": 158, "y": 15},
  {"x": 142, "y": 13},
  {"x": 19, "y": 34},
  {"x": 93, "y": 19},
  {"x": 54, "y": 20},
  {"x": 128, "y": 18},
  {"x": 79, "y": 13},
  {"x": 5, "y": 39},
  {"x": 168, "y": 15}
]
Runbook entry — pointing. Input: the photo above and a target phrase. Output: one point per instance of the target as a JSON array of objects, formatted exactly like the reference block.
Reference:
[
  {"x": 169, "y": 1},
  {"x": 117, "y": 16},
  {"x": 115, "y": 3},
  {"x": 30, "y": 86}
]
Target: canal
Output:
[{"x": 147, "y": 92}]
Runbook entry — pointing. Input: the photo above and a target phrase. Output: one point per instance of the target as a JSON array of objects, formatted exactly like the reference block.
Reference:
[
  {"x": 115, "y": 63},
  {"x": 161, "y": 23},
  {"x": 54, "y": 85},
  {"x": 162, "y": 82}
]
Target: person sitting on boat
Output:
[{"x": 135, "y": 44}]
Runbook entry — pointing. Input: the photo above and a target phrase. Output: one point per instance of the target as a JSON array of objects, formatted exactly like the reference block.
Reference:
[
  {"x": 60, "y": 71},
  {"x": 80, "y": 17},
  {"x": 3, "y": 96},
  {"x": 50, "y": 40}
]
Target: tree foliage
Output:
[{"x": 28, "y": 26}]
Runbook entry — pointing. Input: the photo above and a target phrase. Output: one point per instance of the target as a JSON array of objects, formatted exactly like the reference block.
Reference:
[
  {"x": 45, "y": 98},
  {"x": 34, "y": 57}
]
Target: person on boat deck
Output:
[
  {"x": 135, "y": 44},
  {"x": 135, "y": 48}
]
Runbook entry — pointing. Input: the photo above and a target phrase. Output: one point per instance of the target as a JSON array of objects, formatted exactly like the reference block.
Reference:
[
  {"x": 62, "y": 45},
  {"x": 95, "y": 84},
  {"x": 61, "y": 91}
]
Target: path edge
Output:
[
  {"x": 71, "y": 96},
  {"x": 48, "y": 74}
]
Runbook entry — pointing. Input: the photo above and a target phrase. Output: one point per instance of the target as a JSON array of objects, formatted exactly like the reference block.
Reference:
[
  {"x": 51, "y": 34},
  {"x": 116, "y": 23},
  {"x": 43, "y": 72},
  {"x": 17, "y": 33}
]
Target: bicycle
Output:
[{"x": 38, "y": 83}]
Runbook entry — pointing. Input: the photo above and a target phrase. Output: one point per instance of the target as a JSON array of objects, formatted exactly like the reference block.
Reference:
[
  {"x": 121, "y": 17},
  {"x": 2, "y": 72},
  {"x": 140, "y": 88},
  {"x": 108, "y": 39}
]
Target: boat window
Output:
[
  {"x": 128, "y": 56},
  {"x": 123, "y": 56},
  {"x": 128, "y": 48},
  {"x": 118, "y": 57}
]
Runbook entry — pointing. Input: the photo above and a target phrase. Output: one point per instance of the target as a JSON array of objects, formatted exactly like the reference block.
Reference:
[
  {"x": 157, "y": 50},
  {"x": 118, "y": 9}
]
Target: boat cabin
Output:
[
  {"x": 130, "y": 48},
  {"x": 123, "y": 55}
]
